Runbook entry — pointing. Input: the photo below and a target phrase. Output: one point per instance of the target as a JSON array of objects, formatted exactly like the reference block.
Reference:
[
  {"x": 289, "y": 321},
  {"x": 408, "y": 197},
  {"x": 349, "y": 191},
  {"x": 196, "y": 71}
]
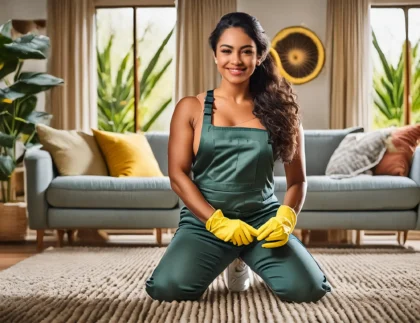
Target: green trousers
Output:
[{"x": 195, "y": 257}]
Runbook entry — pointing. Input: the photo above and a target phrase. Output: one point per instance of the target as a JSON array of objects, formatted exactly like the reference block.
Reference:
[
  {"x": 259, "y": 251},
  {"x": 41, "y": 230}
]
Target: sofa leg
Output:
[
  {"x": 40, "y": 240},
  {"x": 405, "y": 236},
  {"x": 60, "y": 238},
  {"x": 306, "y": 235},
  {"x": 402, "y": 237},
  {"x": 359, "y": 234},
  {"x": 70, "y": 236},
  {"x": 158, "y": 235}
]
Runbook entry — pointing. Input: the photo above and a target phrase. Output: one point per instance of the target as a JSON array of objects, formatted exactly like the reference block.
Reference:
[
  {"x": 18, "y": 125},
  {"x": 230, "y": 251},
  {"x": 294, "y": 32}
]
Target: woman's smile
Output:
[{"x": 236, "y": 71}]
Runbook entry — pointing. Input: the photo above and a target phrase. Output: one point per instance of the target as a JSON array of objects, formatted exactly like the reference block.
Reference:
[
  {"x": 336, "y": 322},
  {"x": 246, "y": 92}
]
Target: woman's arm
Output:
[
  {"x": 180, "y": 155},
  {"x": 296, "y": 176}
]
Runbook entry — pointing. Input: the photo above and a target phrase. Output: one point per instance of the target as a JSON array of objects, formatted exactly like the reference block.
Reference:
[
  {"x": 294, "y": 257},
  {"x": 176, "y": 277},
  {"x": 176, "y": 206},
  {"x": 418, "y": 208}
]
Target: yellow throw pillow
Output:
[
  {"x": 127, "y": 154},
  {"x": 74, "y": 152}
]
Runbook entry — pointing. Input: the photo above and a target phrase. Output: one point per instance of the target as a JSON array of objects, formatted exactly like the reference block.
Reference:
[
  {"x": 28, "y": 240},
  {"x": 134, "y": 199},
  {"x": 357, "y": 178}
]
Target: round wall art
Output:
[{"x": 298, "y": 54}]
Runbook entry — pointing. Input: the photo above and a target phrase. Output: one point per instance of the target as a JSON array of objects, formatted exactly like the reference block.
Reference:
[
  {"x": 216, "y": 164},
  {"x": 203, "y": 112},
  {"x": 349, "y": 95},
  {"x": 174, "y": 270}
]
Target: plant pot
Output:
[
  {"x": 18, "y": 181},
  {"x": 13, "y": 221},
  {"x": 17, "y": 185}
]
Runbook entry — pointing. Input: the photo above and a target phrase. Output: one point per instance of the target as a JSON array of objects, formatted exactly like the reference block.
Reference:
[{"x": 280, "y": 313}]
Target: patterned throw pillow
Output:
[
  {"x": 401, "y": 145},
  {"x": 358, "y": 153}
]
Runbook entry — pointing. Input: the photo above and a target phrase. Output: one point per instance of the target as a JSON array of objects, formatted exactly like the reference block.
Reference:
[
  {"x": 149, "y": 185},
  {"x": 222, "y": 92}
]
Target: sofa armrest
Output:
[
  {"x": 415, "y": 176},
  {"x": 415, "y": 167},
  {"x": 39, "y": 174}
]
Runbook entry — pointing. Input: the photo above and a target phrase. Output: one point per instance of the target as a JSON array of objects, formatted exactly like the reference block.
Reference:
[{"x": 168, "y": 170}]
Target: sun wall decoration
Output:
[{"x": 298, "y": 54}]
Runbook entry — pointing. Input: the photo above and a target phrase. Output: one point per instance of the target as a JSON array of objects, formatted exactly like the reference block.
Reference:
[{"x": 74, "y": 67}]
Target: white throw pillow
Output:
[
  {"x": 358, "y": 153},
  {"x": 73, "y": 152}
]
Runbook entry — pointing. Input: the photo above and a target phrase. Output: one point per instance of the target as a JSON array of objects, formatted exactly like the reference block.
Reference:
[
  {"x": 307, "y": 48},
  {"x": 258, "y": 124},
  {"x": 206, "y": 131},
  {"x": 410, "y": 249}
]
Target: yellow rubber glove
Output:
[
  {"x": 236, "y": 231},
  {"x": 278, "y": 228}
]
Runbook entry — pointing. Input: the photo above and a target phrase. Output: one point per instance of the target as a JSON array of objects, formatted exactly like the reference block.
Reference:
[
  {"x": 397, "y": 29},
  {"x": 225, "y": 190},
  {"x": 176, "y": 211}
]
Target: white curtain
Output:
[
  {"x": 349, "y": 41},
  {"x": 71, "y": 28},
  {"x": 195, "y": 70}
]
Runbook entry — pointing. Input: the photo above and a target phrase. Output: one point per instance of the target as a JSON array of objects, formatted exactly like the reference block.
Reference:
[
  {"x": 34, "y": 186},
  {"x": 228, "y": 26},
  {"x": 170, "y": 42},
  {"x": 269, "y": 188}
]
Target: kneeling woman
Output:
[{"x": 232, "y": 135}]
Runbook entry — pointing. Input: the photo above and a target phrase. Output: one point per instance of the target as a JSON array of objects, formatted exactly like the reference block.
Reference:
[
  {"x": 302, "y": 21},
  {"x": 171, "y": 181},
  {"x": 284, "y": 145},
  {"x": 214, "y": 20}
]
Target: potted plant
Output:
[{"x": 18, "y": 118}]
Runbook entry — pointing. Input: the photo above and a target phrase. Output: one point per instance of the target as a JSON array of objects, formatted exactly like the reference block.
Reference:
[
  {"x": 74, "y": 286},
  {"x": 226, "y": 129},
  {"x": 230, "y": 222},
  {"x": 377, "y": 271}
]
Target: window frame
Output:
[
  {"x": 100, "y": 4},
  {"x": 407, "y": 51}
]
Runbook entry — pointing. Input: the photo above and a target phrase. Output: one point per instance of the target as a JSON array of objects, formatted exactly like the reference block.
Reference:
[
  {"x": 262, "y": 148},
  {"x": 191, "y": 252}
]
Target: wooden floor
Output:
[{"x": 14, "y": 252}]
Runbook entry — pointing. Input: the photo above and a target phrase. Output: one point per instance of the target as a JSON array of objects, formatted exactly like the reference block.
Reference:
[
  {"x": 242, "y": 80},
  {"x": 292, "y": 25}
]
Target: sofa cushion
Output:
[
  {"x": 73, "y": 152},
  {"x": 128, "y": 155},
  {"x": 358, "y": 153},
  {"x": 363, "y": 192},
  {"x": 401, "y": 146},
  {"x": 111, "y": 192}
]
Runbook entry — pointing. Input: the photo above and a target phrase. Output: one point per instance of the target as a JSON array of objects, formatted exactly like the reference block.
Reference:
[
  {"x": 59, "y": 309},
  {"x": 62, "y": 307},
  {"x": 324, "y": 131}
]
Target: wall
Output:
[
  {"x": 27, "y": 9},
  {"x": 275, "y": 15}
]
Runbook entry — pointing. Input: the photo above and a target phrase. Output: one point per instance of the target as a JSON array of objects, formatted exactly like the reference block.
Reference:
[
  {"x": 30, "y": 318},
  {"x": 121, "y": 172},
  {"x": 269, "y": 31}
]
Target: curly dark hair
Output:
[{"x": 274, "y": 100}]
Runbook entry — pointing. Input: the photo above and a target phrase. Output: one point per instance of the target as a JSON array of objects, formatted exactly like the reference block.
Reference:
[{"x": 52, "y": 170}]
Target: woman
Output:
[{"x": 233, "y": 135}]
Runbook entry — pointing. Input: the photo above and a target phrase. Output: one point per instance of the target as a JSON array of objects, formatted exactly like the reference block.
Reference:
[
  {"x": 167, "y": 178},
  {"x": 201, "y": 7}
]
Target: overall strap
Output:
[{"x": 208, "y": 107}]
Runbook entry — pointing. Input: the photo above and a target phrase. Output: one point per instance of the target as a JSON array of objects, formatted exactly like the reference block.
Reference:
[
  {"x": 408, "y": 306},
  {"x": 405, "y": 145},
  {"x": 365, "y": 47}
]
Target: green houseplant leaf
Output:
[
  {"x": 6, "y": 140},
  {"x": 29, "y": 83},
  {"x": 154, "y": 61},
  {"x": 32, "y": 83},
  {"x": 388, "y": 96},
  {"x": 18, "y": 117},
  {"x": 6, "y": 33},
  {"x": 7, "y": 65},
  {"x": 7, "y": 166},
  {"x": 28, "y": 47},
  {"x": 116, "y": 95}
]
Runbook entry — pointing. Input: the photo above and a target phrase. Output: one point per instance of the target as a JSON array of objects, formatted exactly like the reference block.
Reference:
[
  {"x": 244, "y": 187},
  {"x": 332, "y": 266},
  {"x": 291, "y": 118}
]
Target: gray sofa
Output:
[{"x": 363, "y": 202}]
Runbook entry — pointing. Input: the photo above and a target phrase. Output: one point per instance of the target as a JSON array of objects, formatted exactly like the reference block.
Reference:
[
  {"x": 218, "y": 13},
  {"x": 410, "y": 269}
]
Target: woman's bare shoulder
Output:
[
  {"x": 189, "y": 108},
  {"x": 201, "y": 97},
  {"x": 191, "y": 103}
]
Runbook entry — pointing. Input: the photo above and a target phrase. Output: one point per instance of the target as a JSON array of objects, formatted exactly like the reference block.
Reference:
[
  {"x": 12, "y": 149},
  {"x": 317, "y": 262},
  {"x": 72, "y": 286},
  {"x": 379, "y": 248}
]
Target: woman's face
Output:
[{"x": 236, "y": 55}]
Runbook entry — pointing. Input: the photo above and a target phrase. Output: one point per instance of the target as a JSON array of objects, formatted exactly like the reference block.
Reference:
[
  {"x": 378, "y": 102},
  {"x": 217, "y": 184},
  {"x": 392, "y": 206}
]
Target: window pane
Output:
[
  {"x": 414, "y": 37},
  {"x": 388, "y": 67},
  {"x": 156, "y": 73},
  {"x": 115, "y": 69}
]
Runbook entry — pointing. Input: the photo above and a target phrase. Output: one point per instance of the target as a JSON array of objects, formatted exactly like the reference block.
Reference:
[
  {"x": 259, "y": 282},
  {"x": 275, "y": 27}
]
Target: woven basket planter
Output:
[{"x": 13, "y": 221}]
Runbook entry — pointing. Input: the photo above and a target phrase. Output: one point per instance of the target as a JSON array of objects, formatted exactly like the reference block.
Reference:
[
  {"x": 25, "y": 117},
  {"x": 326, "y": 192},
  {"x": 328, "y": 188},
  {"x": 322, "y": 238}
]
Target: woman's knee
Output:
[
  {"x": 168, "y": 289},
  {"x": 301, "y": 293}
]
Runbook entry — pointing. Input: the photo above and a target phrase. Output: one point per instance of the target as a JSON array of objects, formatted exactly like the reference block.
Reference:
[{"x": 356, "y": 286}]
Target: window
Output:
[
  {"x": 135, "y": 94},
  {"x": 396, "y": 80}
]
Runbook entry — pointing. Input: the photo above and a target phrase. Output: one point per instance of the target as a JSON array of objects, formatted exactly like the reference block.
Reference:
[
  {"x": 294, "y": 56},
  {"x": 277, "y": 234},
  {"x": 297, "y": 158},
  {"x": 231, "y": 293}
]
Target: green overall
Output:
[{"x": 233, "y": 170}]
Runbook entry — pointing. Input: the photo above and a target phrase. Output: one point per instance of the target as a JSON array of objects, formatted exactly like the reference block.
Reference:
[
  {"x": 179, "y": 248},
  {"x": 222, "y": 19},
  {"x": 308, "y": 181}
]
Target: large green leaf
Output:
[
  {"x": 7, "y": 66},
  {"x": 154, "y": 60},
  {"x": 39, "y": 117},
  {"x": 6, "y": 140},
  {"x": 386, "y": 101},
  {"x": 121, "y": 116},
  {"x": 32, "y": 83},
  {"x": 6, "y": 33},
  {"x": 32, "y": 120},
  {"x": 389, "y": 86},
  {"x": 122, "y": 70},
  {"x": 382, "y": 57},
  {"x": 150, "y": 85},
  {"x": 7, "y": 94},
  {"x": 7, "y": 166},
  {"x": 28, "y": 47},
  {"x": 25, "y": 106},
  {"x": 106, "y": 56}
]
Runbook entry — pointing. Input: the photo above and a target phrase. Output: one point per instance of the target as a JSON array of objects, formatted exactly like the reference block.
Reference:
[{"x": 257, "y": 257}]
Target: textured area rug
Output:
[{"x": 94, "y": 284}]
